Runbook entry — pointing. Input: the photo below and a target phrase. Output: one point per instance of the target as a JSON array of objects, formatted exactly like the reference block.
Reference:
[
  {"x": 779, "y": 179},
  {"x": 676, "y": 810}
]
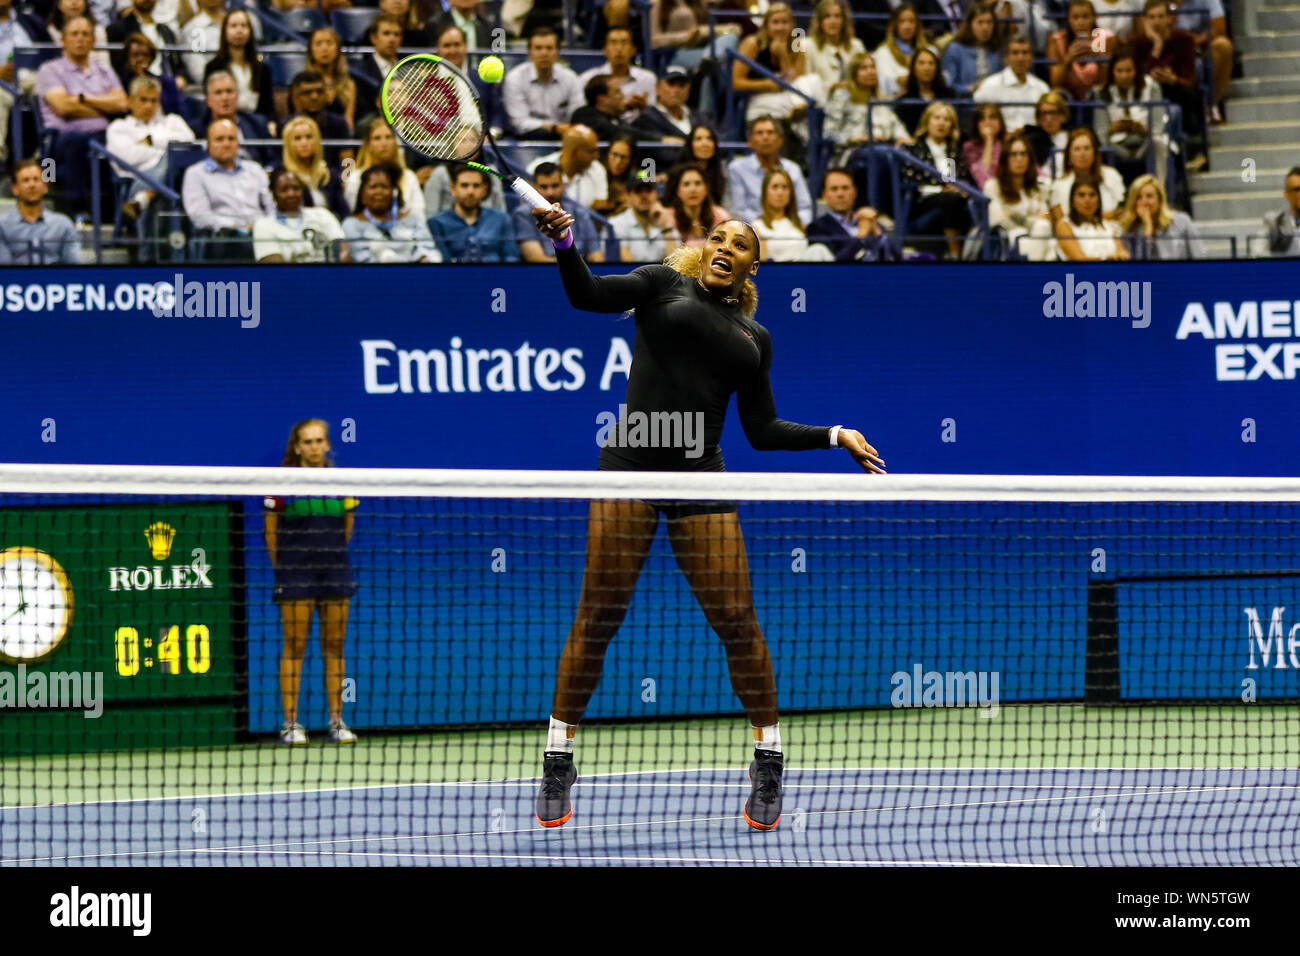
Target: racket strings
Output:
[{"x": 432, "y": 110}]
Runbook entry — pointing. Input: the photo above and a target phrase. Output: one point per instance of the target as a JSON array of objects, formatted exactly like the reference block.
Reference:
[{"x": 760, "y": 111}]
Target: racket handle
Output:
[{"x": 526, "y": 192}]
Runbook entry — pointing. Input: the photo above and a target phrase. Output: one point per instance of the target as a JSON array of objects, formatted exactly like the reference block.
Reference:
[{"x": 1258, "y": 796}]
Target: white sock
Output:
[
  {"x": 767, "y": 738},
  {"x": 559, "y": 737}
]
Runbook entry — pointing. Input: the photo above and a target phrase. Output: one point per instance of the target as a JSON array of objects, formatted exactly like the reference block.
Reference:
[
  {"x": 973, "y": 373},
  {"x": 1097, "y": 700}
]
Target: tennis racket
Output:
[{"x": 433, "y": 109}]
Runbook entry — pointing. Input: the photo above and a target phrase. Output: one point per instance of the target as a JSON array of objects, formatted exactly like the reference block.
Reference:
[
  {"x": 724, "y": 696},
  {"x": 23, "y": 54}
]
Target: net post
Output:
[{"x": 1101, "y": 679}]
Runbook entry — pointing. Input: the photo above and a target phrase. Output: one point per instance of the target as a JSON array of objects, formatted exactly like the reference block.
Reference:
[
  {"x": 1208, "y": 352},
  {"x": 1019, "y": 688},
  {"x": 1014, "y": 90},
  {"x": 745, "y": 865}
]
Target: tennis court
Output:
[{"x": 1055, "y": 785}]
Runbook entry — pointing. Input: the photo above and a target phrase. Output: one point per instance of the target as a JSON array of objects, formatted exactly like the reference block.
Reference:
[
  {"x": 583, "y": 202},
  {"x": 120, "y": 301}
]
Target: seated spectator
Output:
[
  {"x": 1168, "y": 56},
  {"x": 683, "y": 26},
  {"x": 846, "y": 113},
  {"x": 984, "y": 148},
  {"x": 1283, "y": 225},
  {"x": 77, "y": 98},
  {"x": 585, "y": 178},
  {"x": 1081, "y": 53},
  {"x": 470, "y": 231},
  {"x": 549, "y": 181},
  {"x": 939, "y": 205},
  {"x": 850, "y": 235},
  {"x": 237, "y": 55},
  {"x": 974, "y": 53},
  {"x": 295, "y": 233},
  {"x": 1118, "y": 16},
  {"x": 1014, "y": 88},
  {"x": 1048, "y": 136},
  {"x": 702, "y": 150},
  {"x": 437, "y": 189},
  {"x": 540, "y": 95},
  {"x": 772, "y": 47},
  {"x": 30, "y": 235},
  {"x": 1027, "y": 14},
  {"x": 603, "y": 108},
  {"x": 307, "y": 98},
  {"x": 745, "y": 173},
  {"x": 1205, "y": 21},
  {"x": 450, "y": 44},
  {"x": 138, "y": 52},
  {"x": 669, "y": 118},
  {"x": 384, "y": 229},
  {"x": 141, "y": 139},
  {"x": 1121, "y": 125},
  {"x": 65, "y": 10},
  {"x": 904, "y": 35},
  {"x": 1018, "y": 200},
  {"x": 620, "y": 170},
  {"x": 831, "y": 44},
  {"x": 225, "y": 194},
  {"x": 414, "y": 33},
  {"x": 385, "y": 37},
  {"x": 1083, "y": 156},
  {"x": 201, "y": 32},
  {"x": 17, "y": 29},
  {"x": 302, "y": 154},
  {"x": 1154, "y": 231},
  {"x": 468, "y": 17},
  {"x": 637, "y": 83},
  {"x": 139, "y": 18},
  {"x": 223, "y": 103},
  {"x": 325, "y": 56},
  {"x": 644, "y": 228},
  {"x": 379, "y": 145},
  {"x": 694, "y": 211},
  {"x": 924, "y": 85},
  {"x": 780, "y": 232},
  {"x": 1083, "y": 235}
]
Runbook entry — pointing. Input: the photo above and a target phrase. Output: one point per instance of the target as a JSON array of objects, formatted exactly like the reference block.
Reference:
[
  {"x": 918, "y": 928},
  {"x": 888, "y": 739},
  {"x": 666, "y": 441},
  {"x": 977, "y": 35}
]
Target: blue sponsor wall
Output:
[{"x": 1008, "y": 361}]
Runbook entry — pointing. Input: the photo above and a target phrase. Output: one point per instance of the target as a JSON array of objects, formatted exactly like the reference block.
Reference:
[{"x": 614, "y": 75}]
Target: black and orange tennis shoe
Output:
[
  {"x": 558, "y": 776},
  {"x": 763, "y": 808}
]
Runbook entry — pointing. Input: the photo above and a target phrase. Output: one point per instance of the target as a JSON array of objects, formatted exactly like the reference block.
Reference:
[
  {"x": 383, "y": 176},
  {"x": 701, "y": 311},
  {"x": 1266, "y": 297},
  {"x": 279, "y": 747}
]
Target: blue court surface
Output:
[{"x": 887, "y": 816}]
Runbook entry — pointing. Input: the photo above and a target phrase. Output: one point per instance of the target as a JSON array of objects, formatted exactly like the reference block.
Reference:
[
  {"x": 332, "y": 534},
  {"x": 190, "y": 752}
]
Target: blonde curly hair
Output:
[{"x": 688, "y": 261}]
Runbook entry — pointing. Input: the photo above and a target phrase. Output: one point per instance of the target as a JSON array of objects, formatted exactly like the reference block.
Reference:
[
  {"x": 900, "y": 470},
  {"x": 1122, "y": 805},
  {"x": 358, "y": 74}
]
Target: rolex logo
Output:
[{"x": 160, "y": 535}]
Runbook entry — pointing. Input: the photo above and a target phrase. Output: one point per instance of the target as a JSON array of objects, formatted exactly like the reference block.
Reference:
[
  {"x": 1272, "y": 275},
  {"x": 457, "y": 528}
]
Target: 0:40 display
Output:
[{"x": 126, "y": 644}]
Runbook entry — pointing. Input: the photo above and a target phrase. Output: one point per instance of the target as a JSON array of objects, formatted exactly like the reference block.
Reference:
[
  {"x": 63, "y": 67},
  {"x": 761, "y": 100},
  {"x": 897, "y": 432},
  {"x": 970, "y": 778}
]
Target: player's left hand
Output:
[{"x": 862, "y": 452}]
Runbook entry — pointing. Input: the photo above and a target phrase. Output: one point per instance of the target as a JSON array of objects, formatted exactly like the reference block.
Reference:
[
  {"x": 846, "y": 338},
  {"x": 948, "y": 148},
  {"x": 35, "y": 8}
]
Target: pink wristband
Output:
[{"x": 565, "y": 241}]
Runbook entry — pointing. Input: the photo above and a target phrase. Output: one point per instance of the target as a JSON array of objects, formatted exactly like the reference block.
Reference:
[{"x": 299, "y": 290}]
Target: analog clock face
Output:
[{"x": 35, "y": 605}]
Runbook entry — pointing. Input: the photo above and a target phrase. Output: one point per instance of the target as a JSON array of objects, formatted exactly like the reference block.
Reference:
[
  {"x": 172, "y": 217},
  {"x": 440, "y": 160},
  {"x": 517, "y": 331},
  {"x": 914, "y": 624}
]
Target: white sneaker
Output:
[
  {"x": 293, "y": 734},
  {"x": 340, "y": 734}
]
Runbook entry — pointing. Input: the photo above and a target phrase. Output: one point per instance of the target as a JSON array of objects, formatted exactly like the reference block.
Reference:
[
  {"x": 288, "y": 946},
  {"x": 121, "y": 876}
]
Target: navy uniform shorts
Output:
[{"x": 314, "y": 576}]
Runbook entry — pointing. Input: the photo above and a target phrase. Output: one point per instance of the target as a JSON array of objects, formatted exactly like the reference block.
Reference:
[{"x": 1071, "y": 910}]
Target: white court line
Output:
[
  {"x": 593, "y": 827},
  {"x": 531, "y": 781}
]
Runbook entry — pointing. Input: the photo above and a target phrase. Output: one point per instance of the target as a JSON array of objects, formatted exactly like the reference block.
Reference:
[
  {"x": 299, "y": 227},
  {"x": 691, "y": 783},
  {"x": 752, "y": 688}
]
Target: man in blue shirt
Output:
[
  {"x": 549, "y": 181},
  {"x": 745, "y": 174},
  {"x": 30, "y": 235},
  {"x": 470, "y": 231}
]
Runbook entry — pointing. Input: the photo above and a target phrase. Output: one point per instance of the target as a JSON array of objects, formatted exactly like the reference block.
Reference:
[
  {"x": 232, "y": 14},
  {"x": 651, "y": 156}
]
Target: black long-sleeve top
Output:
[{"x": 692, "y": 351}]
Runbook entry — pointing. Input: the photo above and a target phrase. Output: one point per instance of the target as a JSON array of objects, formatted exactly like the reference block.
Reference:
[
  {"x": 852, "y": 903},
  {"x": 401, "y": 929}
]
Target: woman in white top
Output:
[
  {"x": 380, "y": 146},
  {"x": 65, "y": 11},
  {"x": 846, "y": 113},
  {"x": 1123, "y": 126},
  {"x": 903, "y": 37},
  {"x": 779, "y": 229},
  {"x": 773, "y": 48},
  {"x": 1083, "y": 235},
  {"x": 1018, "y": 201},
  {"x": 831, "y": 45},
  {"x": 1083, "y": 155},
  {"x": 295, "y": 233}
]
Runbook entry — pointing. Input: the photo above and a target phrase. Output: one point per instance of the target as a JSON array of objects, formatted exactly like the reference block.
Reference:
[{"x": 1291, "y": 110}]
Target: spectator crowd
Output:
[{"x": 1024, "y": 129}]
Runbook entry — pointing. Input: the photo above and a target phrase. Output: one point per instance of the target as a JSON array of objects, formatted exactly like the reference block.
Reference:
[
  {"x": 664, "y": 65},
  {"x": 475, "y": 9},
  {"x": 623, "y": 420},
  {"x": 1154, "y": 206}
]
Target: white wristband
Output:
[{"x": 835, "y": 435}]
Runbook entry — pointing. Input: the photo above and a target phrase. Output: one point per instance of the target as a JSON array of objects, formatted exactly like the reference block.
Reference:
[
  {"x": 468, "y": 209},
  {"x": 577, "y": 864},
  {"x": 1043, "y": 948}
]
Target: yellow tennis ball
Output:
[{"x": 491, "y": 69}]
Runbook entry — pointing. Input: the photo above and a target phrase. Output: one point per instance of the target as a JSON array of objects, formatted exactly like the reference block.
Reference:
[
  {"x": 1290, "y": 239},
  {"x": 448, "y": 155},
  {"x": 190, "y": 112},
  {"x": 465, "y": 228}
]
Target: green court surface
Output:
[{"x": 1026, "y": 736}]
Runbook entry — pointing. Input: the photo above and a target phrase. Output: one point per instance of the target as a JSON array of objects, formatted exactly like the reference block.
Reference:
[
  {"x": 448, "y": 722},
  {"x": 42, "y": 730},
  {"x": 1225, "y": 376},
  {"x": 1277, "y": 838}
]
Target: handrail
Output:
[
  {"x": 99, "y": 150},
  {"x": 816, "y": 115},
  {"x": 976, "y": 198}
]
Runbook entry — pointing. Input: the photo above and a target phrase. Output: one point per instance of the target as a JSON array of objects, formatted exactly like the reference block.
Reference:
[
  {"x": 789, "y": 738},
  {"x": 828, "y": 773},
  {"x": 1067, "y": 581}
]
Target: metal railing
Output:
[{"x": 815, "y": 115}]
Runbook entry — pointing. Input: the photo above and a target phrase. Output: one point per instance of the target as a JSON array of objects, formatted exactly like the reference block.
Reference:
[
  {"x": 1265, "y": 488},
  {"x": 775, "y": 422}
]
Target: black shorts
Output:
[
  {"x": 314, "y": 581},
  {"x": 673, "y": 508}
]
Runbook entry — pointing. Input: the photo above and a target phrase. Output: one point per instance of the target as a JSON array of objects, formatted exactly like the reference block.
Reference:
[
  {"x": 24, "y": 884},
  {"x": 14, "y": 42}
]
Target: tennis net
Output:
[{"x": 969, "y": 670}]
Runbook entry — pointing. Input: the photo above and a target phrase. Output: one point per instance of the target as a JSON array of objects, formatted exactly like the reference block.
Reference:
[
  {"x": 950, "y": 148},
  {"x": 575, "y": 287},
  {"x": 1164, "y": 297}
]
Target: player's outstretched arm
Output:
[
  {"x": 861, "y": 450},
  {"x": 586, "y": 291}
]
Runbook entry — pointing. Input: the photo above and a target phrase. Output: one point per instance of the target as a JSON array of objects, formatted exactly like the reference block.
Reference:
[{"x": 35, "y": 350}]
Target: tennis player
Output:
[
  {"x": 307, "y": 540},
  {"x": 696, "y": 344}
]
